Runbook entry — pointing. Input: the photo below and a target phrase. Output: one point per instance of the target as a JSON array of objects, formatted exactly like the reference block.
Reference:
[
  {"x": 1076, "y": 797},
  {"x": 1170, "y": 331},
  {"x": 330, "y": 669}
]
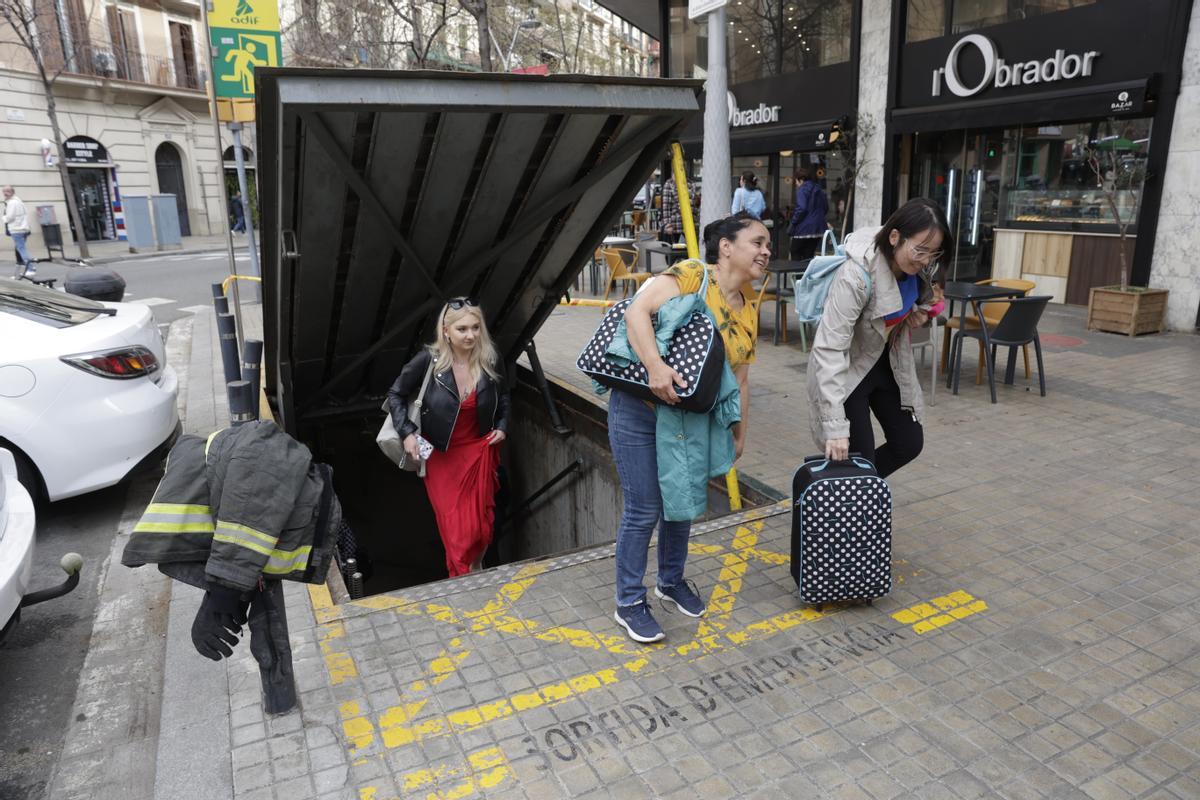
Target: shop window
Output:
[
  {"x": 926, "y": 19},
  {"x": 764, "y": 38},
  {"x": 972, "y": 14},
  {"x": 1080, "y": 175}
]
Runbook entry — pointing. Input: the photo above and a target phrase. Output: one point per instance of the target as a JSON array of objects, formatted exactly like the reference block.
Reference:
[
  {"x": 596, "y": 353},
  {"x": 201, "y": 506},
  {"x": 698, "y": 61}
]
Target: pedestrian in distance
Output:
[
  {"x": 239, "y": 213},
  {"x": 808, "y": 215},
  {"x": 862, "y": 358},
  {"x": 737, "y": 250},
  {"x": 672, "y": 217},
  {"x": 464, "y": 416},
  {"x": 16, "y": 225},
  {"x": 748, "y": 197}
]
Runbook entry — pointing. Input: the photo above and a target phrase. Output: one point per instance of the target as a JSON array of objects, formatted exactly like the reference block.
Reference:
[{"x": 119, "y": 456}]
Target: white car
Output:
[
  {"x": 17, "y": 524},
  {"x": 86, "y": 395}
]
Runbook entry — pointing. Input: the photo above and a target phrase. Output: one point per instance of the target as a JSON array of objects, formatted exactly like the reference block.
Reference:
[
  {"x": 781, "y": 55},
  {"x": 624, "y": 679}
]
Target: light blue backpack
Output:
[{"x": 813, "y": 286}]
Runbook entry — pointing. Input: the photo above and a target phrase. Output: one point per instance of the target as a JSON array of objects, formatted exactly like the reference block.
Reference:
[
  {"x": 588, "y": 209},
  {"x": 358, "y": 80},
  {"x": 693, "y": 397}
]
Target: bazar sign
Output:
[
  {"x": 1062, "y": 66},
  {"x": 762, "y": 115}
]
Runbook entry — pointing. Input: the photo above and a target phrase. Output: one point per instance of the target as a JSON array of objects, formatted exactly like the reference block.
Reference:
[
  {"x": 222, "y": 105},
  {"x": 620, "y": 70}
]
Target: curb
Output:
[{"x": 159, "y": 254}]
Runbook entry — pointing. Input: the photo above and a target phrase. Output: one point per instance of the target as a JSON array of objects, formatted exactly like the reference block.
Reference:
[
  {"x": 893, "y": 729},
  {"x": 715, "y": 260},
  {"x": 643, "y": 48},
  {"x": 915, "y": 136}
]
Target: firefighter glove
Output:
[{"x": 218, "y": 622}]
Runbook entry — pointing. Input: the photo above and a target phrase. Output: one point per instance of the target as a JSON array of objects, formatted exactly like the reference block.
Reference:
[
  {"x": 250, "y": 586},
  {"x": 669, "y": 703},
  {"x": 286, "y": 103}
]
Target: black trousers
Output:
[
  {"x": 879, "y": 393},
  {"x": 805, "y": 247}
]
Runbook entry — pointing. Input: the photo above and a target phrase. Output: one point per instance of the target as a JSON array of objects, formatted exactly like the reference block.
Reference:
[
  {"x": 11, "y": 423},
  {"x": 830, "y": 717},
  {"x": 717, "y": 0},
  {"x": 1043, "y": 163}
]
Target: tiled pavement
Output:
[{"x": 1042, "y": 639}]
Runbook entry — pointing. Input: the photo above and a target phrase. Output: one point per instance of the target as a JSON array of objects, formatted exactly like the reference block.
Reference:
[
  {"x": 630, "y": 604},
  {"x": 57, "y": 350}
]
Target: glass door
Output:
[{"x": 960, "y": 171}]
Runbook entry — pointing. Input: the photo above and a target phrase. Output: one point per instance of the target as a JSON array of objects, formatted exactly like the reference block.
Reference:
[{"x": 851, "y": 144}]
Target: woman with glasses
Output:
[
  {"x": 862, "y": 359},
  {"x": 464, "y": 415}
]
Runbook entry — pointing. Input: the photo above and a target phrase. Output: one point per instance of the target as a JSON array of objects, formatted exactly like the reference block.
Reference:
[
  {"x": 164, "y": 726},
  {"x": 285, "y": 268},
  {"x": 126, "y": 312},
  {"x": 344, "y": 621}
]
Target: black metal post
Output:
[
  {"x": 227, "y": 332},
  {"x": 241, "y": 403},
  {"x": 544, "y": 386},
  {"x": 218, "y": 290},
  {"x": 252, "y": 368},
  {"x": 221, "y": 304}
]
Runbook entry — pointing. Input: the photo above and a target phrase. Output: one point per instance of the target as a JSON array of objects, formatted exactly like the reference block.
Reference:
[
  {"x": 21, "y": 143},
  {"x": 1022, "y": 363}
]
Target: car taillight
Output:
[{"x": 126, "y": 362}]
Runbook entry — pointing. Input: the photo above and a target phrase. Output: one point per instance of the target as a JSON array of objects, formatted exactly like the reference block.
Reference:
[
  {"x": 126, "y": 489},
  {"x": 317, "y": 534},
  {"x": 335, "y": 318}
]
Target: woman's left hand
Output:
[
  {"x": 496, "y": 437},
  {"x": 916, "y": 318}
]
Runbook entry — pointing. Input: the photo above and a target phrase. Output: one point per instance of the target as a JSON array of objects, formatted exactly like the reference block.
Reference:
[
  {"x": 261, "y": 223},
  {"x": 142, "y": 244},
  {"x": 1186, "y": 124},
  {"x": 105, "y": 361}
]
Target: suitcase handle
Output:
[{"x": 855, "y": 459}]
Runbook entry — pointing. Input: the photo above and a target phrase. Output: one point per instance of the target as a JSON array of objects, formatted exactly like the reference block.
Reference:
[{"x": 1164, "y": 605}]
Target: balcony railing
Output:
[{"x": 104, "y": 60}]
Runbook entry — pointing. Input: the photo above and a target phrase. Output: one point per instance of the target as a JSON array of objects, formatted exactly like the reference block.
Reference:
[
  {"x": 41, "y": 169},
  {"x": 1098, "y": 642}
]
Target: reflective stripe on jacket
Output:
[{"x": 248, "y": 502}]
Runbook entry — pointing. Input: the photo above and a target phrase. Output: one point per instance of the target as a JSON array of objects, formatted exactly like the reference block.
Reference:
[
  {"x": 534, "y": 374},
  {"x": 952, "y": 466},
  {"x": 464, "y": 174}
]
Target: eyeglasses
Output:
[
  {"x": 458, "y": 302},
  {"x": 918, "y": 252}
]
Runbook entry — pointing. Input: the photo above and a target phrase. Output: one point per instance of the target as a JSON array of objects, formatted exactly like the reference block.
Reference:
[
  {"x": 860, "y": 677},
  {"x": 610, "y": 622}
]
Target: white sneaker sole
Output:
[
  {"x": 682, "y": 610},
  {"x": 637, "y": 637}
]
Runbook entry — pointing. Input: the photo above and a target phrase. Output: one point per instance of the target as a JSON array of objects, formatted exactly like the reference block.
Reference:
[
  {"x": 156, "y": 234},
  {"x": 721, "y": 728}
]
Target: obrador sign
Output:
[{"x": 1061, "y": 66}]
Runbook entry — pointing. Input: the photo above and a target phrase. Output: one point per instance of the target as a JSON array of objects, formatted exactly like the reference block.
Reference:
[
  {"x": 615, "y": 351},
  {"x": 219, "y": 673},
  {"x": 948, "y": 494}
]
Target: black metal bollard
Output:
[
  {"x": 227, "y": 332},
  {"x": 218, "y": 290},
  {"x": 221, "y": 304},
  {"x": 241, "y": 403},
  {"x": 251, "y": 368}
]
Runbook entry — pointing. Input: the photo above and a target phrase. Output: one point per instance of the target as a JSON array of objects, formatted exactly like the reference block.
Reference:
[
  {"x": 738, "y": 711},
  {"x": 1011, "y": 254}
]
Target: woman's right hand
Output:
[
  {"x": 837, "y": 449},
  {"x": 663, "y": 381},
  {"x": 410, "y": 447}
]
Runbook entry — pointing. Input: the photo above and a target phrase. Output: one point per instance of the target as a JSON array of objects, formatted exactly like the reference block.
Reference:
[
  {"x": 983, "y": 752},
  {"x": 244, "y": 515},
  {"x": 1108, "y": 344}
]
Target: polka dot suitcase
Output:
[
  {"x": 841, "y": 531},
  {"x": 696, "y": 352}
]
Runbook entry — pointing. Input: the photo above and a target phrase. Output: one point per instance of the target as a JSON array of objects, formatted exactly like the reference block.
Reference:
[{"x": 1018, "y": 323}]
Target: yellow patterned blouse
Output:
[{"x": 739, "y": 329}]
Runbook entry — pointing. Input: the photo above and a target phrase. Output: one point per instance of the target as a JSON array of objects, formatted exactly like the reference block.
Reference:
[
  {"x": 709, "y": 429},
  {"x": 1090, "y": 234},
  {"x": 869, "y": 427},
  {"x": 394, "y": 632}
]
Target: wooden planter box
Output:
[{"x": 1130, "y": 311}]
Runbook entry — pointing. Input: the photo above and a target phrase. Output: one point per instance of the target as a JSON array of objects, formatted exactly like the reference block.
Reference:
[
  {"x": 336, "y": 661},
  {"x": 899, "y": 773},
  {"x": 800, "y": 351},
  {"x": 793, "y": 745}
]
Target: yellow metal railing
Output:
[{"x": 225, "y": 283}]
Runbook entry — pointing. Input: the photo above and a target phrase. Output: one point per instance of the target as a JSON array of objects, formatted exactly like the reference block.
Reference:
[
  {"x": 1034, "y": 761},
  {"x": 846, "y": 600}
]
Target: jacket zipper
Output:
[{"x": 457, "y": 405}]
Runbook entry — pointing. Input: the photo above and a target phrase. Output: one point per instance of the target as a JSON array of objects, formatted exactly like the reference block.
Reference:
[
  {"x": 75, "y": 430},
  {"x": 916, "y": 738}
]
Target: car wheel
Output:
[{"x": 28, "y": 475}]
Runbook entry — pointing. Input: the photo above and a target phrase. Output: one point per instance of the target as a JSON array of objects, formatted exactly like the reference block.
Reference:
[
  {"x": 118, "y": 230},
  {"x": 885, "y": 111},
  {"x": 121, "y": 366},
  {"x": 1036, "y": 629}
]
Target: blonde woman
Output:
[{"x": 464, "y": 415}]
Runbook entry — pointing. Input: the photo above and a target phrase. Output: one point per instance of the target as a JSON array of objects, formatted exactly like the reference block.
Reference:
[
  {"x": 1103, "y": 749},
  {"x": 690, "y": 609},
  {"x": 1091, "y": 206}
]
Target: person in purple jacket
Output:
[{"x": 808, "y": 215}]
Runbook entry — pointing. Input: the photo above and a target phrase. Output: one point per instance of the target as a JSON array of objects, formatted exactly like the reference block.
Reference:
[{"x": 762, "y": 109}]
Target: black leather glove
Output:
[{"x": 219, "y": 621}]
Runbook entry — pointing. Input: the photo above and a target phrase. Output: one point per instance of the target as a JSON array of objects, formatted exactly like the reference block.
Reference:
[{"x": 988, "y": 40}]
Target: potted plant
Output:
[{"x": 1126, "y": 309}]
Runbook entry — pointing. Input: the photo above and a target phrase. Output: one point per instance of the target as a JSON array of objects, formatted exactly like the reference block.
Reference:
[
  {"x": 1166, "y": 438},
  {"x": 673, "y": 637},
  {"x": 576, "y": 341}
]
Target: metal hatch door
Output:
[{"x": 383, "y": 193}]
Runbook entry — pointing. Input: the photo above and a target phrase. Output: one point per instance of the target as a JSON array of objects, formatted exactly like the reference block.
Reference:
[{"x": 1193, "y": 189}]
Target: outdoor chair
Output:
[
  {"x": 618, "y": 270},
  {"x": 992, "y": 313},
  {"x": 1017, "y": 328},
  {"x": 925, "y": 338}
]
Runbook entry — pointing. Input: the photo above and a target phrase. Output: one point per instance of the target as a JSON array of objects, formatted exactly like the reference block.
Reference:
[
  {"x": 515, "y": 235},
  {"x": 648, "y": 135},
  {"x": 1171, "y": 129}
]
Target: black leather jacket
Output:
[{"x": 439, "y": 407}]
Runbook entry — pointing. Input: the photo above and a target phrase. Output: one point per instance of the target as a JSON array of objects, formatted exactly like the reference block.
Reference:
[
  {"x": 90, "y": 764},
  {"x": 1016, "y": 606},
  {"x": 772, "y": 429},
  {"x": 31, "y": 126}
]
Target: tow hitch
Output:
[{"x": 71, "y": 563}]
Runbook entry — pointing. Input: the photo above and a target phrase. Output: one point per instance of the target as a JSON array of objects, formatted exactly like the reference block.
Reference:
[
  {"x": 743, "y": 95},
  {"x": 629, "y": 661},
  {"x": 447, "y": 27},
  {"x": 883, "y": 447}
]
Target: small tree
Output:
[
  {"x": 40, "y": 41},
  {"x": 1115, "y": 176},
  {"x": 852, "y": 144}
]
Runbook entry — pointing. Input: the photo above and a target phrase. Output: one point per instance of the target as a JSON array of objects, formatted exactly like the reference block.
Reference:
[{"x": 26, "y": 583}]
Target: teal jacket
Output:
[{"x": 691, "y": 448}]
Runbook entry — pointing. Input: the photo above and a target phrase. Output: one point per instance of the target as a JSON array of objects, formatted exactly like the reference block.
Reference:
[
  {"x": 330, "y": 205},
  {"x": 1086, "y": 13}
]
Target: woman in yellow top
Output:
[{"x": 737, "y": 249}]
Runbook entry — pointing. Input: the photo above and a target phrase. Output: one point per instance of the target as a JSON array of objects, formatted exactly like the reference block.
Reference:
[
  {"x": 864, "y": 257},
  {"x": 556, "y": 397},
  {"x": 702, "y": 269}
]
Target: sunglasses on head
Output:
[{"x": 458, "y": 302}]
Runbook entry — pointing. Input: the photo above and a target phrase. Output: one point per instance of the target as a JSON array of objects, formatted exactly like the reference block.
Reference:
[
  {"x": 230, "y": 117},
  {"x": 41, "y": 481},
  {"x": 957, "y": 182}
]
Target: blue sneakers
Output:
[
  {"x": 639, "y": 623},
  {"x": 684, "y": 597}
]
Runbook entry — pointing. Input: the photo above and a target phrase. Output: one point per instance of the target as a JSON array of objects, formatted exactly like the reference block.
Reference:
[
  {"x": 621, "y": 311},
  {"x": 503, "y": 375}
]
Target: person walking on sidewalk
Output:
[
  {"x": 737, "y": 249},
  {"x": 862, "y": 358},
  {"x": 239, "y": 213},
  {"x": 808, "y": 215},
  {"x": 16, "y": 225},
  {"x": 748, "y": 197},
  {"x": 672, "y": 217},
  {"x": 464, "y": 415}
]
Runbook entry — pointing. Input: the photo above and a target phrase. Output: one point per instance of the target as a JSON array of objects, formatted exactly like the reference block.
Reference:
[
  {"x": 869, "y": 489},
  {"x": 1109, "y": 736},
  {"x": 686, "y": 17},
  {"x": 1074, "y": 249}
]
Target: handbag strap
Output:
[{"x": 421, "y": 394}]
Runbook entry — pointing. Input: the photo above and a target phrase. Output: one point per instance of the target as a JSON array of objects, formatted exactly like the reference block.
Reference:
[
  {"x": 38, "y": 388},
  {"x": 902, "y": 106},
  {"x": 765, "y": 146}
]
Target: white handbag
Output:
[{"x": 388, "y": 438}]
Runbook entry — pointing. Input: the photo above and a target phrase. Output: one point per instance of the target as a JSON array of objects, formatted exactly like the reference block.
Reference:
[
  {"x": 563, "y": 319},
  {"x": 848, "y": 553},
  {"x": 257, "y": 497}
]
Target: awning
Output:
[
  {"x": 1129, "y": 98},
  {"x": 383, "y": 193}
]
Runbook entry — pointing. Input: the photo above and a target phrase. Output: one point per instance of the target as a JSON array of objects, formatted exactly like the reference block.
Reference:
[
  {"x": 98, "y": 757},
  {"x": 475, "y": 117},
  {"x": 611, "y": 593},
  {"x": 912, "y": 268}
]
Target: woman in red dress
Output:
[{"x": 464, "y": 414}]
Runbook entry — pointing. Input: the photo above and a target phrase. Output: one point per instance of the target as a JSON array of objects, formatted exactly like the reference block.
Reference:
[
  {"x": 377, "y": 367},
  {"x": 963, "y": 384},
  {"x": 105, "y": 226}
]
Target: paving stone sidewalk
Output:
[{"x": 1041, "y": 640}]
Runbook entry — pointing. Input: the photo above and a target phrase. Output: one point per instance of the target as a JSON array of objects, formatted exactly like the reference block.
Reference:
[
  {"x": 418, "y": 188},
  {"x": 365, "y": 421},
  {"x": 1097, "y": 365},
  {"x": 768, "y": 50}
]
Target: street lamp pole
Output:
[{"x": 506, "y": 58}]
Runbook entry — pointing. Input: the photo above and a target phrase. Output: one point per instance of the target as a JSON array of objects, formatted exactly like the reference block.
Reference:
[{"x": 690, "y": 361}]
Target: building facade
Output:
[
  {"x": 131, "y": 104},
  {"x": 1062, "y": 137}
]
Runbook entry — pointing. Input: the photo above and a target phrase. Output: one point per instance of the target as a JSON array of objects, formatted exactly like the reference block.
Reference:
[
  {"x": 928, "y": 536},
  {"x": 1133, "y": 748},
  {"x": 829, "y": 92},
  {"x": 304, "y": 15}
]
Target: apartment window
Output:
[
  {"x": 183, "y": 55},
  {"x": 122, "y": 33}
]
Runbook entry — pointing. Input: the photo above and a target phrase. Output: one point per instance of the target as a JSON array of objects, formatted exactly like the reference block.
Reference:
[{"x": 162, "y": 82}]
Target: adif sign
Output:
[
  {"x": 762, "y": 115},
  {"x": 996, "y": 72}
]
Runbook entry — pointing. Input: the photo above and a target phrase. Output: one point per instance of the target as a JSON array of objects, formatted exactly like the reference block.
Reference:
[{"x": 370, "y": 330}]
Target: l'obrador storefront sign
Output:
[{"x": 996, "y": 72}]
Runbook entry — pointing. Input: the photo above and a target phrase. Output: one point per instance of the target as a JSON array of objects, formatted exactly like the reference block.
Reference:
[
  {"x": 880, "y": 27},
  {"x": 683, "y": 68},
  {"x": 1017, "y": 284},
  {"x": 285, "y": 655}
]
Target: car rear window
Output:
[{"x": 47, "y": 306}]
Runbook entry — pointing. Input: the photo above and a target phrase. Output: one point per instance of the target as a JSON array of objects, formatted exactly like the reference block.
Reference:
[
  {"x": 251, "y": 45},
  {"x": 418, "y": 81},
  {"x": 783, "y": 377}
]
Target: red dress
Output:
[{"x": 462, "y": 483}]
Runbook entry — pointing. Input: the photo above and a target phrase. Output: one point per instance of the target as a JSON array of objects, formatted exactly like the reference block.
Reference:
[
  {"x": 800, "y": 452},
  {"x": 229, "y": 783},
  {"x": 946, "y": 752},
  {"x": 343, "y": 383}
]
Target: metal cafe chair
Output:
[{"x": 1017, "y": 328}]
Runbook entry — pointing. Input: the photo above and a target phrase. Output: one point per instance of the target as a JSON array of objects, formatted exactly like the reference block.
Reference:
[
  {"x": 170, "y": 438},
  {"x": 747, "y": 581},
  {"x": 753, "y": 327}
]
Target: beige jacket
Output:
[{"x": 851, "y": 338}]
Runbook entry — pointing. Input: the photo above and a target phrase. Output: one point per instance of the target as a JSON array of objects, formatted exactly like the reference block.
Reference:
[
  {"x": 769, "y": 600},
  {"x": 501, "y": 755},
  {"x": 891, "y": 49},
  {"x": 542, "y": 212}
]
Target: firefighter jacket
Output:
[{"x": 248, "y": 502}]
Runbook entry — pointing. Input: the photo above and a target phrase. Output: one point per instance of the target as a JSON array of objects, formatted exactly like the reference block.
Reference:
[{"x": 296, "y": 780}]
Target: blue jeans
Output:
[
  {"x": 22, "y": 251},
  {"x": 631, "y": 436}
]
